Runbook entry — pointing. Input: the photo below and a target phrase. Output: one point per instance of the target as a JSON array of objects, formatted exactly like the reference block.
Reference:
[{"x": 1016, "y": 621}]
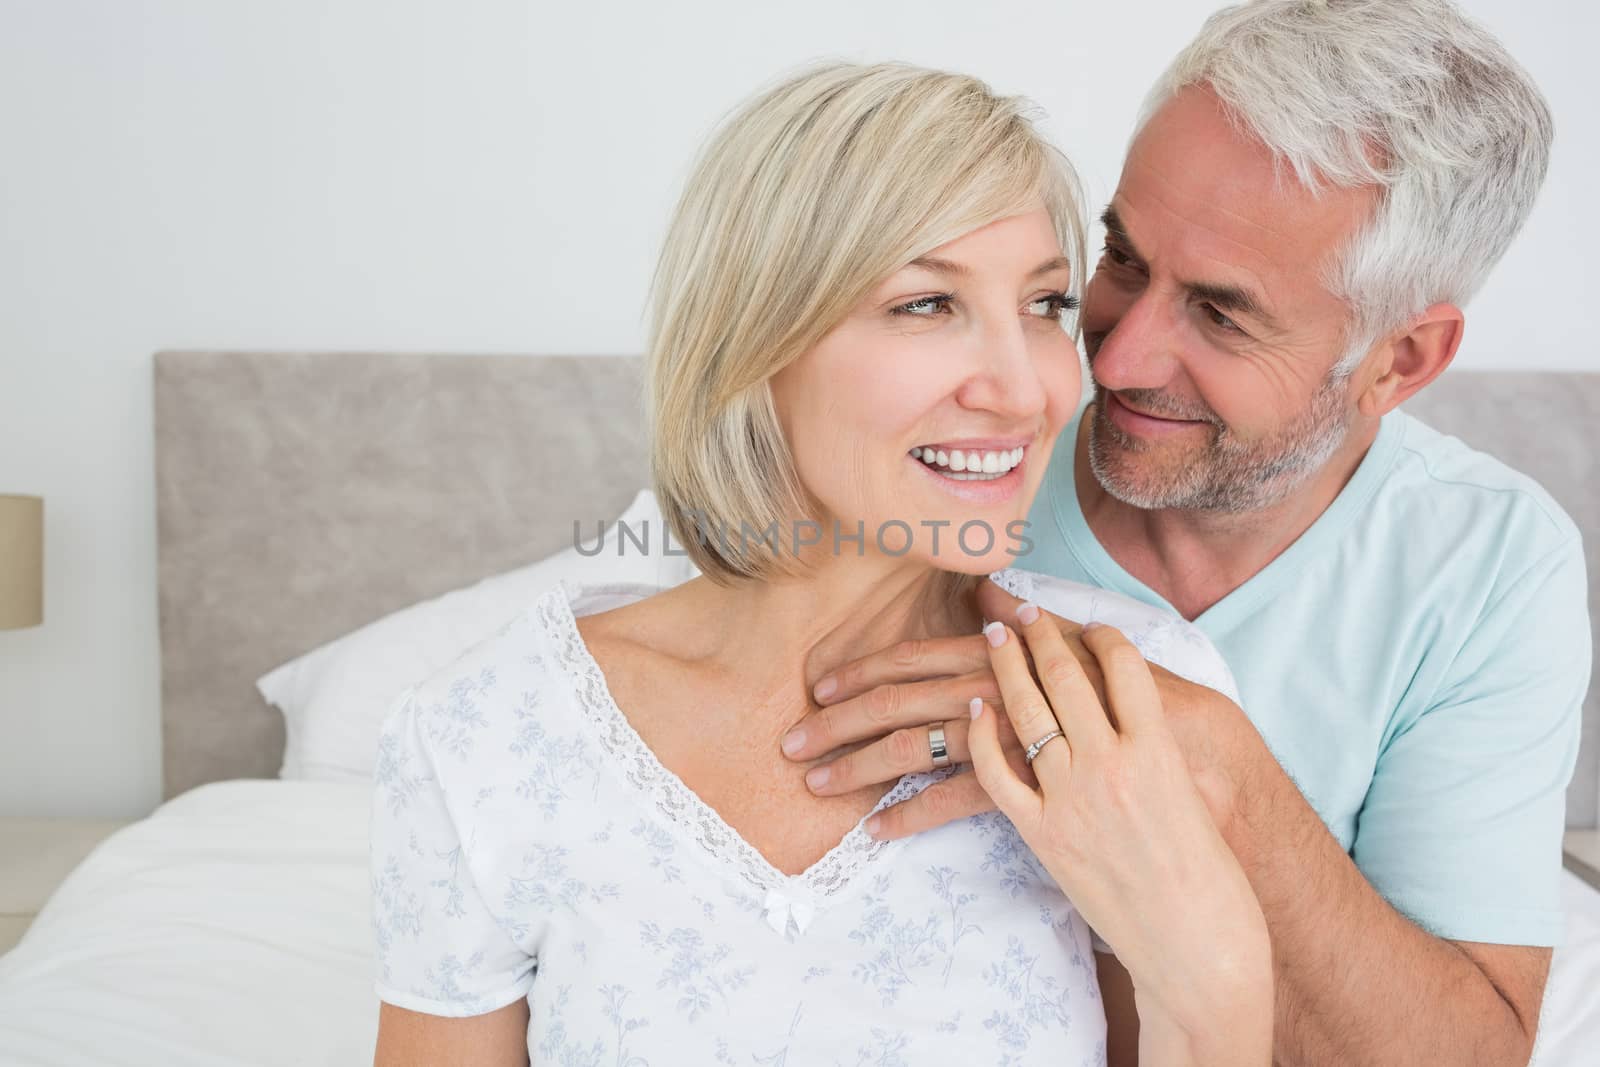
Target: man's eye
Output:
[
  {"x": 924, "y": 307},
  {"x": 1219, "y": 319},
  {"x": 1053, "y": 305},
  {"x": 1117, "y": 256}
]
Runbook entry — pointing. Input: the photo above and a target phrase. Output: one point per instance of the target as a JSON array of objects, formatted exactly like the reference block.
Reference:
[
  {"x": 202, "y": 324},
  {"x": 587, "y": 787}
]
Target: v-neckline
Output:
[{"x": 664, "y": 792}]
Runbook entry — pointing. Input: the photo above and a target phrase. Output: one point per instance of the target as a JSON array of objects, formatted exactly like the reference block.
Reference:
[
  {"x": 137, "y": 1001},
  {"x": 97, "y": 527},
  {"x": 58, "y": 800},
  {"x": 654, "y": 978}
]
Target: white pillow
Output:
[{"x": 334, "y": 697}]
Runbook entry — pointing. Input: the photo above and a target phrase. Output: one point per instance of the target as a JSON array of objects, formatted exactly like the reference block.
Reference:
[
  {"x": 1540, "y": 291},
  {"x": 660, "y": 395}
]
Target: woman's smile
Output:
[{"x": 980, "y": 473}]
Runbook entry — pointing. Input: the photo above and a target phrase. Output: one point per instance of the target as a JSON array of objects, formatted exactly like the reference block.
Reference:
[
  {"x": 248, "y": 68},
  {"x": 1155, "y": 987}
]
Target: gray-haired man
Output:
[{"x": 1314, "y": 192}]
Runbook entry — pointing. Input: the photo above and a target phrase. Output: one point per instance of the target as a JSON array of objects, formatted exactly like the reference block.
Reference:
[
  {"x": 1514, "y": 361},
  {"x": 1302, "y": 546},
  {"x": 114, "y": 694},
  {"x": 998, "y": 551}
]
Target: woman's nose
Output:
[{"x": 1007, "y": 382}]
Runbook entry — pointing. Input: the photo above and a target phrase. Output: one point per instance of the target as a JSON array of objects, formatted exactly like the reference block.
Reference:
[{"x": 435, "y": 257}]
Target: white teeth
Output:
[{"x": 969, "y": 463}]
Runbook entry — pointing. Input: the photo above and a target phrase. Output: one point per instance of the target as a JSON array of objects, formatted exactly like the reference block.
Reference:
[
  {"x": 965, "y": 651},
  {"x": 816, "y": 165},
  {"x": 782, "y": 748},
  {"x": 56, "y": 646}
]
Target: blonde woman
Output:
[{"x": 588, "y": 846}]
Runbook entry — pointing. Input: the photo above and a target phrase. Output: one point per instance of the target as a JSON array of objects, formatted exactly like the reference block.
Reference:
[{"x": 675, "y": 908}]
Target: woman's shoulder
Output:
[
  {"x": 524, "y": 684},
  {"x": 519, "y": 671},
  {"x": 537, "y": 646},
  {"x": 1162, "y": 636}
]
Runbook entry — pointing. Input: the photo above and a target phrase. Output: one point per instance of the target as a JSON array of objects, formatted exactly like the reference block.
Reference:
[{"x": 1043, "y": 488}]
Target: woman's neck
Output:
[{"x": 798, "y": 629}]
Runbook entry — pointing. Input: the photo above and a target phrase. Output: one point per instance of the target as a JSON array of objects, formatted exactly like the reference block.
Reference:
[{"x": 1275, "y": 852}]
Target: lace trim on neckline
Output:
[
  {"x": 679, "y": 804},
  {"x": 1018, "y": 583}
]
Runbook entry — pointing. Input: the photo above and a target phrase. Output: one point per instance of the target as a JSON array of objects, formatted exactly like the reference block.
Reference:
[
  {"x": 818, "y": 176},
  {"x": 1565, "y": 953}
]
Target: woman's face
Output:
[{"x": 929, "y": 413}]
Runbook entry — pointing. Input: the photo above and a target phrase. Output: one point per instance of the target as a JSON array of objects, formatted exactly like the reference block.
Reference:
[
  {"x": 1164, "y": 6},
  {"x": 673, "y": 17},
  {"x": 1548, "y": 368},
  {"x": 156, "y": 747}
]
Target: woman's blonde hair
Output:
[{"x": 804, "y": 201}]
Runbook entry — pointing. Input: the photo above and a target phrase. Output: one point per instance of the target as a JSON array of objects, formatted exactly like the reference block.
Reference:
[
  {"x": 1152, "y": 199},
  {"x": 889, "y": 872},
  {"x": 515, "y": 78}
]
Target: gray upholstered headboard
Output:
[{"x": 300, "y": 495}]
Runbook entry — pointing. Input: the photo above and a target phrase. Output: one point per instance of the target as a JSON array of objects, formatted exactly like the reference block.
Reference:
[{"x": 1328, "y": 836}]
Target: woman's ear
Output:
[{"x": 1412, "y": 359}]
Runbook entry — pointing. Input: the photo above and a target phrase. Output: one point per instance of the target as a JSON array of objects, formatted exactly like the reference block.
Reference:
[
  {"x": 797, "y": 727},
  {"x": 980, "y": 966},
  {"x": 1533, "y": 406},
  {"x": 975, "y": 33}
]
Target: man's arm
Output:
[
  {"x": 1357, "y": 982},
  {"x": 1122, "y": 1013},
  {"x": 1380, "y": 952},
  {"x": 1460, "y": 827}
]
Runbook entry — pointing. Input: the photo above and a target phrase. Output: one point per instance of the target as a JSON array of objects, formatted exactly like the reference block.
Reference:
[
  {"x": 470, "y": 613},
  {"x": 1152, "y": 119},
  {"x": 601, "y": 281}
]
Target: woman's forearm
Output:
[
  {"x": 1220, "y": 1013},
  {"x": 1237, "y": 1033}
]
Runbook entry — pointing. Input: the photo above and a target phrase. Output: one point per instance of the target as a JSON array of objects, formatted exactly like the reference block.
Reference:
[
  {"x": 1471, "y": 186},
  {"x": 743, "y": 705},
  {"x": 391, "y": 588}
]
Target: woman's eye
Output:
[
  {"x": 925, "y": 307},
  {"x": 1219, "y": 319},
  {"x": 1053, "y": 305}
]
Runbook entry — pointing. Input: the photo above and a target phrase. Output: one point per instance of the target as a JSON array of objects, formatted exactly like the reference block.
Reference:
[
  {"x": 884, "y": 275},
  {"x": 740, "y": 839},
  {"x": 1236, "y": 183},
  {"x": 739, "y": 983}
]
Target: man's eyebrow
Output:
[
  {"x": 1113, "y": 224},
  {"x": 1231, "y": 298},
  {"x": 1225, "y": 297},
  {"x": 947, "y": 266}
]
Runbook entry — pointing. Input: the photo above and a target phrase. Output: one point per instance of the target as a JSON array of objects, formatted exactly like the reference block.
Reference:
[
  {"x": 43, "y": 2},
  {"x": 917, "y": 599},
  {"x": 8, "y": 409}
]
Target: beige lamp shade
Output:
[{"x": 21, "y": 561}]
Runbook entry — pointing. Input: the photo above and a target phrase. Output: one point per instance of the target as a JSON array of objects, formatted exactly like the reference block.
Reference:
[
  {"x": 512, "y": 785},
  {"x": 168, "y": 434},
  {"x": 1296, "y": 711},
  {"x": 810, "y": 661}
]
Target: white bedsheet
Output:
[
  {"x": 1569, "y": 1028},
  {"x": 230, "y": 927}
]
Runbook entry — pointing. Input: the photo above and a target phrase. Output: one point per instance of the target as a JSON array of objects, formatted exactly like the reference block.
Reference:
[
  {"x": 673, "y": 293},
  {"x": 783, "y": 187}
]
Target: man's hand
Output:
[{"x": 896, "y": 694}]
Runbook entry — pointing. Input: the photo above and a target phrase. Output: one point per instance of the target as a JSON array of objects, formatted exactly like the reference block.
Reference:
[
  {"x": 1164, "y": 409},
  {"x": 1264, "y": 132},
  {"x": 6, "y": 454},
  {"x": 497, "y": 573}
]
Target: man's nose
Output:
[{"x": 1137, "y": 347}]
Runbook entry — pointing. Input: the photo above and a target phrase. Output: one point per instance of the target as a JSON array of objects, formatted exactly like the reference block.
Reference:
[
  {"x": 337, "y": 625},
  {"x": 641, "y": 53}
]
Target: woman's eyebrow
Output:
[
  {"x": 1049, "y": 265},
  {"x": 940, "y": 266},
  {"x": 960, "y": 270}
]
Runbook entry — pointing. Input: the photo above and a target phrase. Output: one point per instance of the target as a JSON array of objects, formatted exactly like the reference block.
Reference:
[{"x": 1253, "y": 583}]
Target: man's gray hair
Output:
[{"x": 1410, "y": 95}]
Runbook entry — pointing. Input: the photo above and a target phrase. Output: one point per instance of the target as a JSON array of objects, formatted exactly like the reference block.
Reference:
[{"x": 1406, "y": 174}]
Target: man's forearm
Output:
[{"x": 1356, "y": 981}]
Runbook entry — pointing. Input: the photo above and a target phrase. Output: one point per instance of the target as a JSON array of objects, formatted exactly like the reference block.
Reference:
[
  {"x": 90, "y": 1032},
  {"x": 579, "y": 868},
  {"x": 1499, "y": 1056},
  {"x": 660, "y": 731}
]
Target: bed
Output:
[{"x": 302, "y": 495}]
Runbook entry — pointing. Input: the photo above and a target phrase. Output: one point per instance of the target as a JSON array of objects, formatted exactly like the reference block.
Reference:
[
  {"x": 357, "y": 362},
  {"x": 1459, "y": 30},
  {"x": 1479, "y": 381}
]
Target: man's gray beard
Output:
[{"x": 1226, "y": 476}]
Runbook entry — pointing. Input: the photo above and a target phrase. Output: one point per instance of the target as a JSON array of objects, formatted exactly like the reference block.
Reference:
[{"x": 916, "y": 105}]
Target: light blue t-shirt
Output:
[{"x": 1417, "y": 661}]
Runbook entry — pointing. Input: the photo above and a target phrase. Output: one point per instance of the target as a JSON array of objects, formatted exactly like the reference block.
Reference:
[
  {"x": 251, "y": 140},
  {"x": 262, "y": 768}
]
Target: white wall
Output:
[{"x": 462, "y": 175}]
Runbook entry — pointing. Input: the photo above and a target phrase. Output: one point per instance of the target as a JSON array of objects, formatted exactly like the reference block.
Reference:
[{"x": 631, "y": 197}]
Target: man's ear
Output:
[{"x": 1411, "y": 359}]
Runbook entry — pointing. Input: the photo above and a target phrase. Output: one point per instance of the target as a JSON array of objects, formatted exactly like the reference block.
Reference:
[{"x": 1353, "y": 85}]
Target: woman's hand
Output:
[{"x": 1120, "y": 825}]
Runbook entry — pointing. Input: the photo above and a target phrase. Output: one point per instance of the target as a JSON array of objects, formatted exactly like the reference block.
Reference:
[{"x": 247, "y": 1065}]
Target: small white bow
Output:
[{"x": 781, "y": 910}]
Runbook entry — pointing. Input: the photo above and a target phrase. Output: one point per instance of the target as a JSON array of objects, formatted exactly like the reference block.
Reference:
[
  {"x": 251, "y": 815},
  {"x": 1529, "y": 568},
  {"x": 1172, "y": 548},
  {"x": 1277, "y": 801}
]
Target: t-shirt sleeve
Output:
[
  {"x": 1461, "y": 827},
  {"x": 440, "y": 948}
]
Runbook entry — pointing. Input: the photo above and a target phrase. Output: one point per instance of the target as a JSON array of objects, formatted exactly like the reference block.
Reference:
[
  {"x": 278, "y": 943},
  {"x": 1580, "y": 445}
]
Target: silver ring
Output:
[
  {"x": 937, "y": 747},
  {"x": 1033, "y": 749}
]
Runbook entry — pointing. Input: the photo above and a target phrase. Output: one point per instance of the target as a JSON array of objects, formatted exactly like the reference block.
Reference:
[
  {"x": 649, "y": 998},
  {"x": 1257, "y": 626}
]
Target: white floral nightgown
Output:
[{"x": 526, "y": 843}]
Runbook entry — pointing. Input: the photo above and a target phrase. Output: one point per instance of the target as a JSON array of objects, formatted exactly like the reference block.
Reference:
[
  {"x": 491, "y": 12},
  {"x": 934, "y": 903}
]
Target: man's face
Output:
[{"x": 1212, "y": 340}]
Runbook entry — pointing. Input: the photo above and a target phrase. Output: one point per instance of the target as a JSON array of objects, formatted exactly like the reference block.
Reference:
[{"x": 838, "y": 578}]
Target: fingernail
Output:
[
  {"x": 817, "y": 777},
  {"x": 871, "y": 826},
  {"x": 1027, "y": 612},
  {"x": 1093, "y": 625},
  {"x": 996, "y": 633},
  {"x": 794, "y": 741},
  {"x": 975, "y": 706},
  {"x": 826, "y": 688}
]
